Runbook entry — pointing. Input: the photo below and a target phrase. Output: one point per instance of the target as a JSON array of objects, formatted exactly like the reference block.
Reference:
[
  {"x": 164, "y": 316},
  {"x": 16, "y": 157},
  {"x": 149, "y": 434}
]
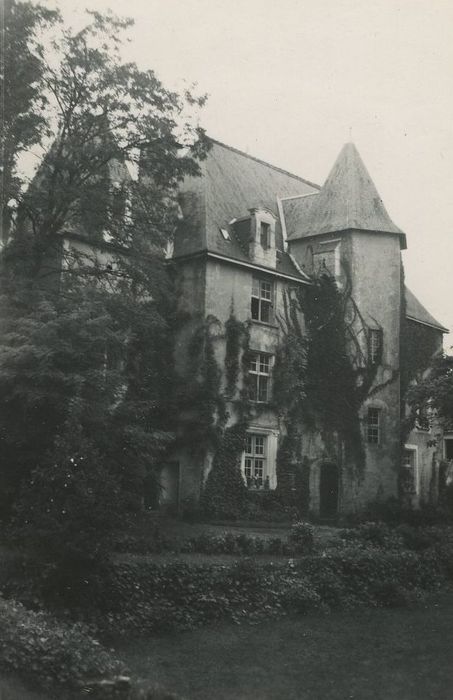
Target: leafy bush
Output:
[
  {"x": 50, "y": 651},
  {"x": 146, "y": 597},
  {"x": 301, "y": 537},
  {"x": 376, "y": 534},
  {"x": 393, "y": 512},
  {"x": 419, "y": 538}
]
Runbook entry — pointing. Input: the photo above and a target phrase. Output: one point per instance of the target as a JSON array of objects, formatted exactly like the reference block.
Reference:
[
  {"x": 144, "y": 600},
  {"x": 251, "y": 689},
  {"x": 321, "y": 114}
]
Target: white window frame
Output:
[
  {"x": 269, "y": 457},
  {"x": 257, "y": 293},
  {"x": 414, "y": 450},
  {"x": 261, "y": 371}
]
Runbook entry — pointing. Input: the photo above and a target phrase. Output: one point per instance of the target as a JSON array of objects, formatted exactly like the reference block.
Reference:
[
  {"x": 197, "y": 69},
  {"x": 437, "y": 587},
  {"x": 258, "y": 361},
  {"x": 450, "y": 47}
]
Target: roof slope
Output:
[
  {"x": 348, "y": 200},
  {"x": 415, "y": 311},
  {"x": 231, "y": 183}
]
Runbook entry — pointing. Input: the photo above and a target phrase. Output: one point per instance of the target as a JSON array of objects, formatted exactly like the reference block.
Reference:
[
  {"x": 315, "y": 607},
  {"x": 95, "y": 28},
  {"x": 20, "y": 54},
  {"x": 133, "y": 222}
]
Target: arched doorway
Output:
[{"x": 328, "y": 490}]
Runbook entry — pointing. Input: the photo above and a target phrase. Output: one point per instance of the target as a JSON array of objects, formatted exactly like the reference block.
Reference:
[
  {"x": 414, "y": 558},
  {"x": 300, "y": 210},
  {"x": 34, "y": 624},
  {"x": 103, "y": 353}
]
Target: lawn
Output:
[{"x": 403, "y": 654}]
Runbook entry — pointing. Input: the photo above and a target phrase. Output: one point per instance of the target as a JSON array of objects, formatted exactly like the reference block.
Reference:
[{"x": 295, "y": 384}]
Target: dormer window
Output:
[
  {"x": 262, "y": 247},
  {"x": 265, "y": 235}
]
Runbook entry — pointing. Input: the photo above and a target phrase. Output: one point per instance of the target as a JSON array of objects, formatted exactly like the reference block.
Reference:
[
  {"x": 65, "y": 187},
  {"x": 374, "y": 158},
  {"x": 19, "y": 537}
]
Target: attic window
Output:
[
  {"x": 225, "y": 234},
  {"x": 265, "y": 235}
]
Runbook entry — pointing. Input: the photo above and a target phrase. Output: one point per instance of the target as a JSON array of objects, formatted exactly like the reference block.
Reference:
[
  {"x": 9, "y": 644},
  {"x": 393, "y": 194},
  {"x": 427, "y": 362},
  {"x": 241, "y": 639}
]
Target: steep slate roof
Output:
[
  {"x": 231, "y": 183},
  {"x": 348, "y": 200},
  {"x": 415, "y": 311}
]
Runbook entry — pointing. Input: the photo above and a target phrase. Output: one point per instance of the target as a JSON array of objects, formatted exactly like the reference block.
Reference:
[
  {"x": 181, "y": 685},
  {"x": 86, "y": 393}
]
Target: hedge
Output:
[{"x": 142, "y": 597}]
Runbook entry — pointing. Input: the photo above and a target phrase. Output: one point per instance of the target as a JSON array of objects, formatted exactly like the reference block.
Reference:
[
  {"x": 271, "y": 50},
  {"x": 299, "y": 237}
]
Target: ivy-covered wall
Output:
[{"x": 323, "y": 381}]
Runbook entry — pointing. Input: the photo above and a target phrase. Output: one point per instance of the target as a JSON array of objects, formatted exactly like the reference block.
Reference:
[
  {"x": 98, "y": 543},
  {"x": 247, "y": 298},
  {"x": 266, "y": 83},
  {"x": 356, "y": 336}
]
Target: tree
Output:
[
  {"x": 23, "y": 98},
  {"x": 87, "y": 305},
  {"x": 434, "y": 392}
]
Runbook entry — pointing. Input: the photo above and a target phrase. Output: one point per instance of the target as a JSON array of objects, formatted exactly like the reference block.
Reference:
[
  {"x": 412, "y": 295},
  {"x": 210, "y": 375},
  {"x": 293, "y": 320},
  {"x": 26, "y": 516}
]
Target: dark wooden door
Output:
[{"x": 328, "y": 491}]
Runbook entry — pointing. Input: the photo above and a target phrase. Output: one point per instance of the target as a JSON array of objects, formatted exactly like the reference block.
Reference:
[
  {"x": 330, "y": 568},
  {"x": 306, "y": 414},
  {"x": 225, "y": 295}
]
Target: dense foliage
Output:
[
  {"x": 51, "y": 652},
  {"x": 147, "y": 596},
  {"x": 322, "y": 377},
  {"x": 86, "y": 300},
  {"x": 434, "y": 393},
  {"x": 23, "y": 97}
]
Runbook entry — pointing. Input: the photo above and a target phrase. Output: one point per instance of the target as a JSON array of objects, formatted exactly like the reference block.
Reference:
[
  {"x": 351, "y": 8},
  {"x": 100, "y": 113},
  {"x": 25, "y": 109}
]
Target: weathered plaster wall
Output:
[
  {"x": 215, "y": 288},
  {"x": 375, "y": 266},
  {"x": 372, "y": 260}
]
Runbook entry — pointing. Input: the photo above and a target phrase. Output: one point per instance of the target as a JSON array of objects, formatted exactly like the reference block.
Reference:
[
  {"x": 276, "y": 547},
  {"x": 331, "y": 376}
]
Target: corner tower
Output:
[{"x": 345, "y": 231}]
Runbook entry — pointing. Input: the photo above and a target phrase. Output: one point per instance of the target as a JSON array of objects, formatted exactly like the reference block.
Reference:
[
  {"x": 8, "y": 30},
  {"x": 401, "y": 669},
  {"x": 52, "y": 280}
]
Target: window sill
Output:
[
  {"x": 264, "y": 323},
  {"x": 259, "y": 489}
]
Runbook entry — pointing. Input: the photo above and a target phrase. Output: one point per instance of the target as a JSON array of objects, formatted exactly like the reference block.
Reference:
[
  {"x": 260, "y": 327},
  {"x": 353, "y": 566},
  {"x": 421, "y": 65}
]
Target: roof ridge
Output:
[{"x": 263, "y": 162}]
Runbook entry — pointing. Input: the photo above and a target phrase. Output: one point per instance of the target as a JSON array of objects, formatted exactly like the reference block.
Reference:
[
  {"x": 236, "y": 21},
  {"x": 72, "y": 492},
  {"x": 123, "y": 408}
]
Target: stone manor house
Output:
[
  {"x": 250, "y": 231},
  {"x": 249, "y": 234}
]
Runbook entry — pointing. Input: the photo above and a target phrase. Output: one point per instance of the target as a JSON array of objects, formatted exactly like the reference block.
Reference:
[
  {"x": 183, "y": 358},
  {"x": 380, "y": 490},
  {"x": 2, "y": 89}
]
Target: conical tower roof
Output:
[{"x": 348, "y": 200}]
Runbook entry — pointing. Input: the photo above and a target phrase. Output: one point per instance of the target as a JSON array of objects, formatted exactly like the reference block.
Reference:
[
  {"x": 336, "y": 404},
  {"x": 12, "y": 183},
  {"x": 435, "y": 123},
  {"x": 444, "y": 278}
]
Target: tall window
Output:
[
  {"x": 373, "y": 426},
  {"x": 409, "y": 472},
  {"x": 262, "y": 300},
  {"x": 265, "y": 235},
  {"x": 259, "y": 376},
  {"x": 375, "y": 345},
  {"x": 255, "y": 461}
]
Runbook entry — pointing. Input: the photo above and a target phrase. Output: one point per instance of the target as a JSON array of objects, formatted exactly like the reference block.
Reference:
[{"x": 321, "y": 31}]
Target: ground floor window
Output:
[
  {"x": 258, "y": 463},
  {"x": 409, "y": 471}
]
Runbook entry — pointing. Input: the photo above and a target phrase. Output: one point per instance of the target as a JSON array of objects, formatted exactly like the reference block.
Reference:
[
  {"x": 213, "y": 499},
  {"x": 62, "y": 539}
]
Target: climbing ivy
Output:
[
  {"x": 234, "y": 336},
  {"x": 200, "y": 402},
  {"x": 323, "y": 375},
  {"x": 225, "y": 494}
]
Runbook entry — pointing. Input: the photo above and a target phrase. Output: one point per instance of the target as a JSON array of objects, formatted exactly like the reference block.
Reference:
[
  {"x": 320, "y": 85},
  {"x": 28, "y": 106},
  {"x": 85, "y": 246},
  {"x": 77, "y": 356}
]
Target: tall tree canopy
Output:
[
  {"x": 435, "y": 392},
  {"x": 87, "y": 308},
  {"x": 22, "y": 91}
]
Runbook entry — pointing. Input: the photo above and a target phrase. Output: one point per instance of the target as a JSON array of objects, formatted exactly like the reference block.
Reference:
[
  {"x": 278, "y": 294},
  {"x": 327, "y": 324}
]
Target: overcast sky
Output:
[{"x": 290, "y": 81}]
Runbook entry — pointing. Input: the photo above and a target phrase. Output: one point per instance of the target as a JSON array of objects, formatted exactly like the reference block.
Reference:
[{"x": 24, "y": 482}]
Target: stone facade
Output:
[{"x": 250, "y": 232}]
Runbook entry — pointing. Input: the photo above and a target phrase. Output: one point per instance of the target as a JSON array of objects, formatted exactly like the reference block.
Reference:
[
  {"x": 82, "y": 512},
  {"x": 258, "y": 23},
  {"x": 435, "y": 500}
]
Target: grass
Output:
[
  {"x": 400, "y": 654},
  {"x": 14, "y": 689}
]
